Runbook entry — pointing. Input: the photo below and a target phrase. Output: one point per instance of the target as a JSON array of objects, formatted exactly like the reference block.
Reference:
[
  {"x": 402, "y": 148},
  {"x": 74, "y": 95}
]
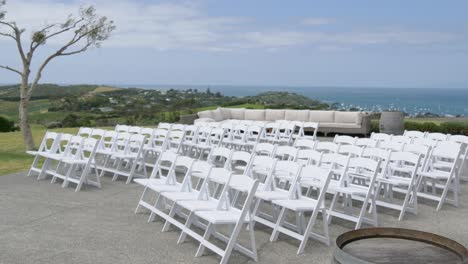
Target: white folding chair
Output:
[
  {"x": 252, "y": 137},
  {"x": 62, "y": 148},
  {"x": 165, "y": 126},
  {"x": 463, "y": 140},
  {"x": 441, "y": 173},
  {"x": 79, "y": 164},
  {"x": 309, "y": 157},
  {"x": 402, "y": 176},
  {"x": 226, "y": 213},
  {"x": 380, "y": 137},
  {"x": 239, "y": 162},
  {"x": 352, "y": 150},
  {"x": 134, "y": 130},
  {"x": 401, "y": 139},
  {"x": 98, "y": 133},
  {"x": 300, "y": 205},
  {"x": 308, "y": 127},
  {"x": 49, "y": 145},
  {"x": 358, "y": 183},
  {"x": 122, "y": 128}
]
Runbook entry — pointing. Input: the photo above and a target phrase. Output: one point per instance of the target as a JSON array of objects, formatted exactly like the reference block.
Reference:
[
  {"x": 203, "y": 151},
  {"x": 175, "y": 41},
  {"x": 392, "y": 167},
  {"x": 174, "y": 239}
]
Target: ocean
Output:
[{"x": 440, "y": 101}]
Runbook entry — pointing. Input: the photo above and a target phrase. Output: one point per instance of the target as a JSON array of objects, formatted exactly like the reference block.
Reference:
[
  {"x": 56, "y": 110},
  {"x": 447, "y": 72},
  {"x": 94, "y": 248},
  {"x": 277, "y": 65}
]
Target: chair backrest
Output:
[
  {"x": 391, "y": 145},
  {"x": 321, "y": 178},
  {"x": 190, "y": 132},
  {"x": 165, "y": 162},
  {"x": 401, "y": 139},
  {"x": 414, "y": 134},
  {"x": 362, "y": 172},
  {"x": 437, "y": 136},
  {"x": 326, "y": 147},
  {"x": 286, "y": 169},
  {"x": 304, "y": 143},
  {"x": 380, "y": 136},
  {"x": 253, "y": 133},
  {"x": 366, "y": 142},
  {"x": 63, "y": 142},
  {"x": 89, "y": 148},
  {"x": 73, "y": 148},
  {"x": 425, "y": 142},
  {"x": 50, "y": 142},
  {"x": 85, "y": 131},
  {"x": 165, "y": 126},
  {"x": 147, "y": 131},
  {"x": 182, "y": 165},
  {"x": 177, "y": 127},
  {"x": 343, "y": 140},
  {"x": 354, "y": 151},
  {"x": 335, "y": 161},
  {"x": 241, "y": 184},
  {"x": 309, "y": 157},
  {"x": 261, "y": 165},
  {"x": 264, "y": 149},
  {"x": 216, "y": 136},
  {"x": 122, "y": 128},
  {"x": 286, "y": 153},
  {"x": 447, "y": 150},
  {"x": 239, "y": 157},
  {"x": 307, "y": 126},
  {"x": 134, "y": 130},
  {"x": 219, "y": 156},
  {"x": 376, "y": 153},
  {"x": 238, "y": 133},
  {"x": 98, "y": 133},
  {"x": 175, "y": 140},
  {"x": 458, "y": 139},
  {"x": 135, "y": 143},
  {"x": 402, "y": 162}
]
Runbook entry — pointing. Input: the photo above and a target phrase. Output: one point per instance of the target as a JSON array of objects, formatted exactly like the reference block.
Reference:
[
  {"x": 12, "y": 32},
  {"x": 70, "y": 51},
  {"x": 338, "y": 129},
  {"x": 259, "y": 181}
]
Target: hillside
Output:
[
  {"x": 280, "y": 99},
  {"x": 46, "y": 91}
]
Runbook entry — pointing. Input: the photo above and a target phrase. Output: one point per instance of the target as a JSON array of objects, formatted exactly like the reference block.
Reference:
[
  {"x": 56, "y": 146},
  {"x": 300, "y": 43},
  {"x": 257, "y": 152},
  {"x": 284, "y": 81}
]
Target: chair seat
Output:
[
  {"x": 435, "y": 174},
  {"x": 221, "y": 217},
  {"x": 164, "y": 187},
  {"x": 395, "y": 180},
  {"x": 272, "y": 195},
  {"x": 32, "y": 152},
  {"x": 125, "y": 155},
  {"x": 199, "y": 205},
  {"x": 180, "y": 196},
  {"x": 144, "y": 182},
  {"x": 303, "y": 204},
  {"x": 74, "y": 161},
  {"x": 353, "y": 190}
]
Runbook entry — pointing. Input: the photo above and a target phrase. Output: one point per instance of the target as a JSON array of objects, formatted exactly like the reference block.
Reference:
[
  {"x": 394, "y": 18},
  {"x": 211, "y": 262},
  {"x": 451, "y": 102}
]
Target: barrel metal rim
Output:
[{"x": 399, "y": 233}]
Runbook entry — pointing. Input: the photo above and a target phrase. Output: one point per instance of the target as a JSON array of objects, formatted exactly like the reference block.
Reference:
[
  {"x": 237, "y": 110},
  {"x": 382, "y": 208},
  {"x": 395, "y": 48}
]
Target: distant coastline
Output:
[{"x": 414, "y": 101}]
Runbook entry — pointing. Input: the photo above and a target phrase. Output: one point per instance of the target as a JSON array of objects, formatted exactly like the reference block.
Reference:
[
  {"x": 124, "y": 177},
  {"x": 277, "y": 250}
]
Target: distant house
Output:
[
  {"x": 106, "y": 109},
  {"x": 113, "y": 101}
]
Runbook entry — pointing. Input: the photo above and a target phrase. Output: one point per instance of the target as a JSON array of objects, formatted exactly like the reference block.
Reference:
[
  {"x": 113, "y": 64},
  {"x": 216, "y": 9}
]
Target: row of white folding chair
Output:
[
  {"x": 67, "y": 157},
  {"x": 215, "y": 207}
]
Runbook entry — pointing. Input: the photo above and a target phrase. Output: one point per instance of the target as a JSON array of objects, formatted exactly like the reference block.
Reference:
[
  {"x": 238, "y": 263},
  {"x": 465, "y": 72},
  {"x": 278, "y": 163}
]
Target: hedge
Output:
[
  {"x": 6, "y": 125},
  {"x": 453, "y": 128}
]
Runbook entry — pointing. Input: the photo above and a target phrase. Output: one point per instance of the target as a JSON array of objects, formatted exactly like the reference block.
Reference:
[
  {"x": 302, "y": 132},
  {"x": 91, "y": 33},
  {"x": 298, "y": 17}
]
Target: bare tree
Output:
[{"x": 84, "y": 31}]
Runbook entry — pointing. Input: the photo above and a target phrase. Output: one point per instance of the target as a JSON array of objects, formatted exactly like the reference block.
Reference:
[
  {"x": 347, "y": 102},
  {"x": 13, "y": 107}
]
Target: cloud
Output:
[
  {"x": 317, "y": 21},
  {"x": 185, "y": 26}
]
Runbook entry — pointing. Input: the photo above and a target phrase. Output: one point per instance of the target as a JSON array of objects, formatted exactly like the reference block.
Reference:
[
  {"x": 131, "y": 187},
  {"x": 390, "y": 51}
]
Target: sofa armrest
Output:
[
  {"x": 366, "y": 123},
  {"x": 188, "y": 119}
]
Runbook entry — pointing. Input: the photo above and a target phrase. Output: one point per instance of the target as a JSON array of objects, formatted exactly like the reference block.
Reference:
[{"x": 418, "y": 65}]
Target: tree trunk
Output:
[{"x": 24, "y": 121}]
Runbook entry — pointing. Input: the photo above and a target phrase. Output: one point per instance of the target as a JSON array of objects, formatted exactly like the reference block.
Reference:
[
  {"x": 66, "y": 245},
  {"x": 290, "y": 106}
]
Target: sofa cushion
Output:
[
  {"x": 217, "y": 115},
  {"x": 237, "y": 113},
  {"x": 274, "y": 114},
  {"x": 205, "y": 114},
  {"x": 297, "y": 115},
  {"x": 348, "y": 117},
  {"x": 339, "y": 125},
  {"x": 322, "y": 116},
  {"x": 256, "y": 115},
  {"x": 226, "y": 112}
]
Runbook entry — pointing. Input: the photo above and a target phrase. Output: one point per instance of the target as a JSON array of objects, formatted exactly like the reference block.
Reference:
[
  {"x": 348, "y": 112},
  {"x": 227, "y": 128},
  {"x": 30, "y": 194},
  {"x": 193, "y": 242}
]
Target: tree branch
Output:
[
  {"x": 7, "y": 35},
  {"x": 11, "y": 69},
  {"x": 12, "y": 26}
]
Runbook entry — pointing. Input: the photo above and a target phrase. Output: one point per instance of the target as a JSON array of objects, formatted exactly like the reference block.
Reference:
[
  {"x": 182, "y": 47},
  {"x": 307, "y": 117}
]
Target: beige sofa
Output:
[{"x": 329, "y": 121}]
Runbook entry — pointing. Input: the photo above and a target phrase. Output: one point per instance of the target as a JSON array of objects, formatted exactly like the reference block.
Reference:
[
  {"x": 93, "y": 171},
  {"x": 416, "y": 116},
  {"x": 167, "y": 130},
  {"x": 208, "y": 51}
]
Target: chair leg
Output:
[
  {"x": 206, "y": 237},
  {"x": 279, "y": 222},
  {"x": 188, "y": 223},
  {"x": 252, "y": 239},
  {"x": 172, "y": 212}
]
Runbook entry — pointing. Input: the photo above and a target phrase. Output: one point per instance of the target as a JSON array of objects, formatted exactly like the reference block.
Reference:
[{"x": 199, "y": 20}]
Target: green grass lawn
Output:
[{"x": 13, "y": 157}]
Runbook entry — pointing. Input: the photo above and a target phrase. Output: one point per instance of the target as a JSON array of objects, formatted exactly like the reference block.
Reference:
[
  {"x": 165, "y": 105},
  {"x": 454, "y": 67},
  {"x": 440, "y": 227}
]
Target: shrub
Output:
[
  {"x": 6, "y": 125},
  {"x": 454, "y": 128},
  {"x": 73, "y": 120}
]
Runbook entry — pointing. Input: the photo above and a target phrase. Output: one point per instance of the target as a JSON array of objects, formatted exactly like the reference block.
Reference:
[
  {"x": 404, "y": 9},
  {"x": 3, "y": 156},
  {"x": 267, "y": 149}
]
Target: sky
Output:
[{"x": 359, "y": 43}]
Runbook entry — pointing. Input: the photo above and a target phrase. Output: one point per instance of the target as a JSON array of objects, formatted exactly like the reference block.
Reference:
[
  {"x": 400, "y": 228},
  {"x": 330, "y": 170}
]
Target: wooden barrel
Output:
[
  {"x": 396, "y": 245},
  {"x": 391, "y": 122}
]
